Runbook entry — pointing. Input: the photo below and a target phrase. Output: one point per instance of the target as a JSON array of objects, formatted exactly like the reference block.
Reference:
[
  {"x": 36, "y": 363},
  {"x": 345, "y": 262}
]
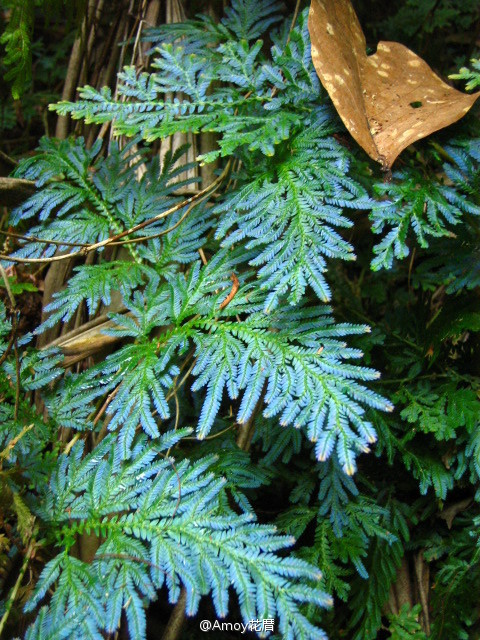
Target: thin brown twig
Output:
[
  {"x": 99, "y": 414},
  {"x": 69, "y": 445},
  {"x": 10, "y": 342},
  {"x": 177, "y": 411},
  {"x": 410, "y": 268},
  {"x": 215, "y": 435},
  {"x": 232, "y": 293},
  {"x": 292, "y": 24},
  {"x": 3, "y": 273},
  {"x": 179, "y": 482},
  {"x": 126, "y": 556},
  {"x": 17, "y": 381},
  {"x": 182, "y": 381},
  {"x": 160, "y": 233},
  {"x": 19, "y": 236},
  {"x": 11, "y": 161},
  {"x": 104, "y": 407},
  {"x": 64, "y": 243},
  {"x": 203, "y": 257},
  {"x": 177, "y": 415},
  {"x": 103, "y": 243},
  {"x": 11, "y": 444}
]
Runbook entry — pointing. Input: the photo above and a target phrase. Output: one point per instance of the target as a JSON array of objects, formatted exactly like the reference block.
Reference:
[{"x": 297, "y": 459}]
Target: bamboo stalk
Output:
[{"x": 74, "y": 69}]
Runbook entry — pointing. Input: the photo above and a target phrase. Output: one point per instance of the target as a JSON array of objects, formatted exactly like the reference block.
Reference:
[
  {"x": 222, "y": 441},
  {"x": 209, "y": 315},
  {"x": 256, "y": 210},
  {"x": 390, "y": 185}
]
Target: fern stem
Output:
[
  {"x": 246, "y": 431},
  {"x": 16, "y": 587},
  {"x": 177, "y": 618}
]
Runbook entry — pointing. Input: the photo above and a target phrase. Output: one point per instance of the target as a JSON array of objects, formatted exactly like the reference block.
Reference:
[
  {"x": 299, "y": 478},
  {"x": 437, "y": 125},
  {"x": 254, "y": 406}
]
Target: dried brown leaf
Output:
[{"x": 387, "y": 100}]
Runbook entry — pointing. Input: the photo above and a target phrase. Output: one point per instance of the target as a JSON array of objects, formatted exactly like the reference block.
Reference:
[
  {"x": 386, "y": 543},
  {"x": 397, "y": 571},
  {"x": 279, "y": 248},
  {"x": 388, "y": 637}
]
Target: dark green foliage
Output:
[
  {"x": 16, "y": 39},
  {"x": 429, "y": 206},
  {"x": 405, "y": 625},
  {"x": 18, "y": 44},
  {"x": 472, "y": 76}
]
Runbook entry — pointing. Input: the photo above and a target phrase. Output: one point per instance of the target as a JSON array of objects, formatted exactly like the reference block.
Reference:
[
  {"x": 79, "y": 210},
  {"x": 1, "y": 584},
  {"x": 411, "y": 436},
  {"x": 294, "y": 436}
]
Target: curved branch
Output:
[{"x": 14, "y": 191}]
